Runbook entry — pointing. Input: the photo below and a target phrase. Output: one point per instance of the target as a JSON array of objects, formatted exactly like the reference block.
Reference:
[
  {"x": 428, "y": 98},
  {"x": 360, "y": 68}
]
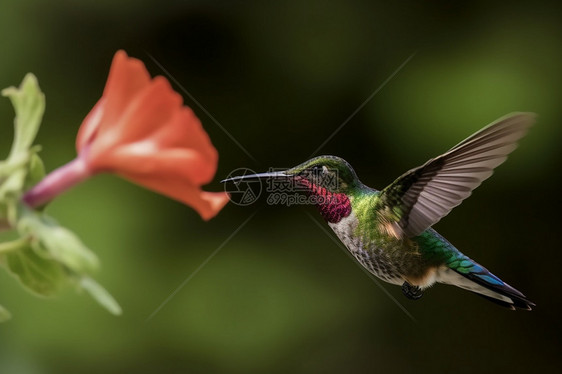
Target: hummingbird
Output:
[{"x": 389, "y": 231}]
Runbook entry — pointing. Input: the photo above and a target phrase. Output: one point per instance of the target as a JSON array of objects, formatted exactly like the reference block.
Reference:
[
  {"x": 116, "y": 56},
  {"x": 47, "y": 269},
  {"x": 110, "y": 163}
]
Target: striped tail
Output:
[{"x": 467, "y": 274}]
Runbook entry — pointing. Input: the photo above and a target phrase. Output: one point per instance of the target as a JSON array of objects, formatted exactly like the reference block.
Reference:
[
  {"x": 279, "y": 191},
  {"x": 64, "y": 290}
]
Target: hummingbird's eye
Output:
[{"x": 315, "y": 171}]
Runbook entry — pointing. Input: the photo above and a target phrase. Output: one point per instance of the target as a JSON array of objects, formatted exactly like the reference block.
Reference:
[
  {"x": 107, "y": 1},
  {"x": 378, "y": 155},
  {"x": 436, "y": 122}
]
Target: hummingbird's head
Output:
[
  {"x": 329, "y": 179},
  {"x": 330, "y": 173}
]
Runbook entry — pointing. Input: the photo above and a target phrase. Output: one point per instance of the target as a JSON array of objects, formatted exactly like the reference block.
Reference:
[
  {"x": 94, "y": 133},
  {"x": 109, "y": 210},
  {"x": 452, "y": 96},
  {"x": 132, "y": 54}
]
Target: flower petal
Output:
[
  {"x": 149, "y": 111},
  {"x": 141, "y": 131},
  {"x": 90, "y": 126},
  {"x": 127, "y": 77},
  {"x": 180, "y": 147},
  {"x": 140, "y": 160},
  {"x": 207, "y": 204},
  {"x": 185, "y": 130}
]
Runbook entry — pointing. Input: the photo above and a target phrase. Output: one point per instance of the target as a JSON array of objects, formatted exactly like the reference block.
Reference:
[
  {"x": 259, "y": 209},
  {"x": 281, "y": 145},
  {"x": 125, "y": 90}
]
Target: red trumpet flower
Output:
[{"x": 141, "y": 130}]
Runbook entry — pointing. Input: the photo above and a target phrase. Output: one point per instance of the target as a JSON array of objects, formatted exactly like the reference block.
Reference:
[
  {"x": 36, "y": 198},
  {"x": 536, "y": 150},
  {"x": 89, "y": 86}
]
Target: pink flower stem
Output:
[{"x": 57, "y": 182}]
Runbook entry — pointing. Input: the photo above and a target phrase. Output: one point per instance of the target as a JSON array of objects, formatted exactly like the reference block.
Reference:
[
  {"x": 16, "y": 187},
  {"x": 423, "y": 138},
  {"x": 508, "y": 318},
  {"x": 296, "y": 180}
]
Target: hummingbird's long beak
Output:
[{"x": 275, "y": 174}]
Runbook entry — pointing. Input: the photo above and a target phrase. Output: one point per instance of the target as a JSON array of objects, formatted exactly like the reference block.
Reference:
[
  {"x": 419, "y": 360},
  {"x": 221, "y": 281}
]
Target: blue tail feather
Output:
[
  {"x": 463, "y": 272},
  {"x": 482, "y": 277}
]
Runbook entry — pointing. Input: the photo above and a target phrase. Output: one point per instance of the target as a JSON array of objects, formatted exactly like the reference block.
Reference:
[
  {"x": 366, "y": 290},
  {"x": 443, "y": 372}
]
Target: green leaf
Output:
[
  {"x": 4, "y": 224},
  {"x": 13, "y": 245},
  {"x": 35, "y": 172},
  {"x": 29, "y": 105},
  {"x": 64, "y": 246},
  {"x": 13, "y": 184},
  {"x": 101, "y": 295},
  {"x": 39, "y": 275},
  {"x": 4, "y": 314},
  {"x": 56, "y": 242}
]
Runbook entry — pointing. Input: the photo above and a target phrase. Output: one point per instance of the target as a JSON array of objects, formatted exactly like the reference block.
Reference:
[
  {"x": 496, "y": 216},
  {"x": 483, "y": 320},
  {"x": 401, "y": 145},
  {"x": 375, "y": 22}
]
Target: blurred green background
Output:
[{"x": 280, "y": 296}]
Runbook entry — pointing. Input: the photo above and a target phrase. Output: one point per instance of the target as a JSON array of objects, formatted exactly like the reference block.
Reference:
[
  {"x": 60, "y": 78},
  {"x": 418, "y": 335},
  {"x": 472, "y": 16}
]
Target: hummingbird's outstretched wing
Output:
[{"x": 424, "y": 195}]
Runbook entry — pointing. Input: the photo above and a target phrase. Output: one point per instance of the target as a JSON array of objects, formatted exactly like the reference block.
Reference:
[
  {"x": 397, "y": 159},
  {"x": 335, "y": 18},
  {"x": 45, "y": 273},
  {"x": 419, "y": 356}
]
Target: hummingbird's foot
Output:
[{"x": 411, "y": 292}]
